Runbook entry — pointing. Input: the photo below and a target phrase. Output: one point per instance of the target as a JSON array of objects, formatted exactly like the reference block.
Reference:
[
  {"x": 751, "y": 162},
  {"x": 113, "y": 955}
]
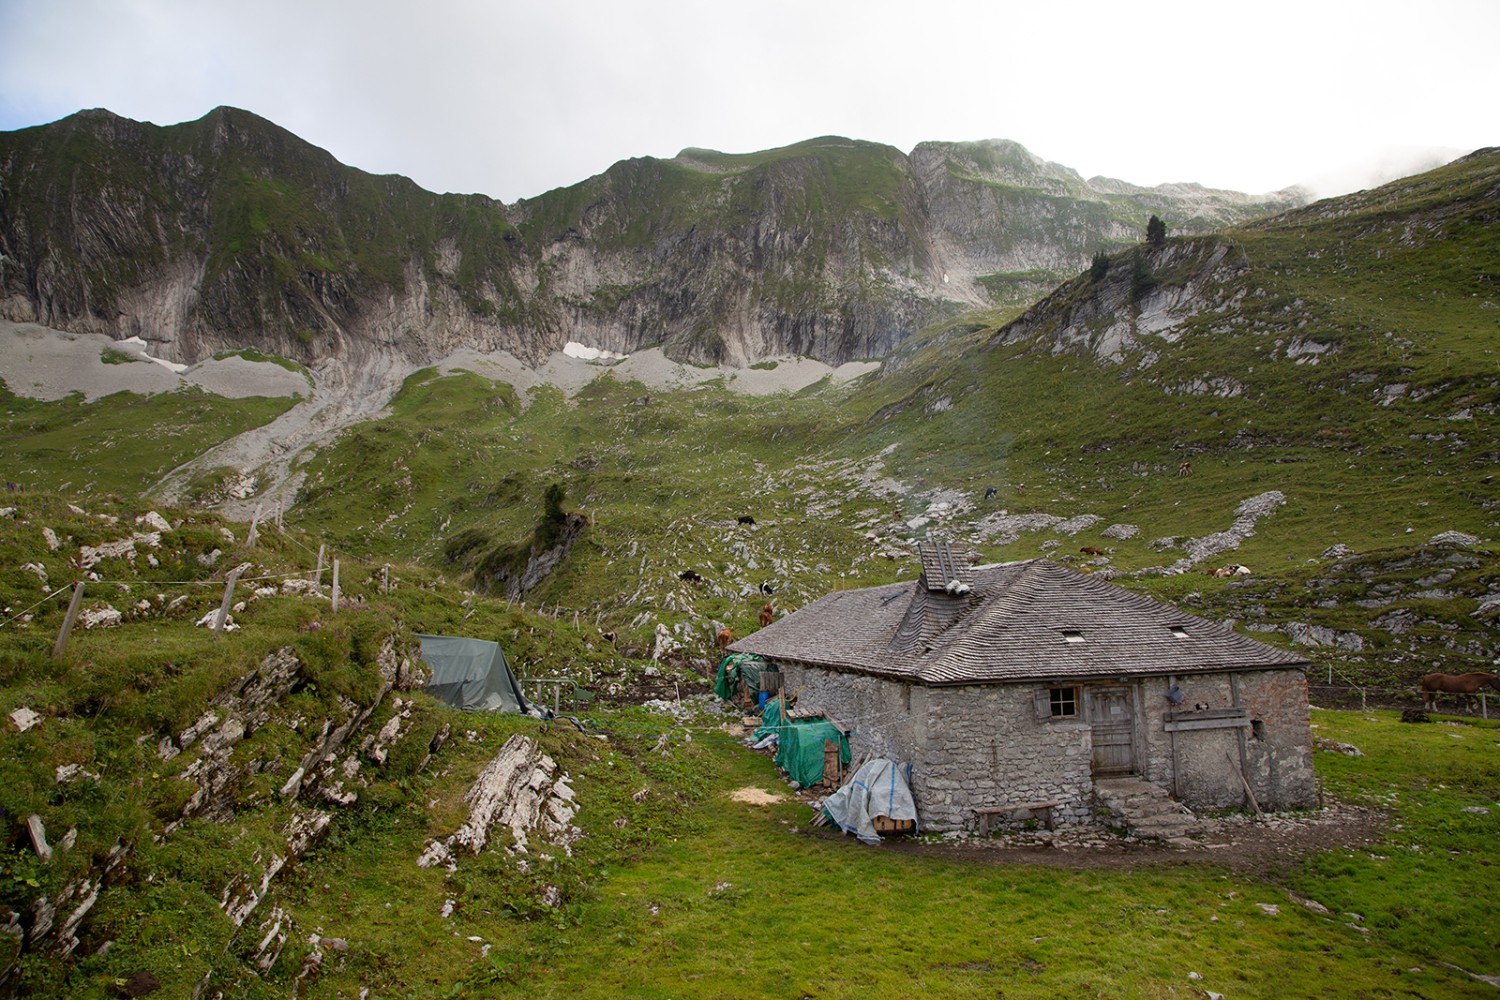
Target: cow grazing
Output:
[
  {"x": 990, "y": 491},
  {"x": 767, "y": 615},
  {"x": 1185, "y": 469},
  {"x": 689, "y": 576},
  {"x": 767, "y": 589},
  {"x": 746, "y": 519},
  {"x": 1089, "y": 550}
]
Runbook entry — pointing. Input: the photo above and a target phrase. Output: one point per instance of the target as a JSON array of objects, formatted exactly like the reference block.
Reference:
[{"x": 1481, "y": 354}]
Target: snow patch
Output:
[
  {"x": 574, "y": 349},
  {"x": 170, "y": 366}
]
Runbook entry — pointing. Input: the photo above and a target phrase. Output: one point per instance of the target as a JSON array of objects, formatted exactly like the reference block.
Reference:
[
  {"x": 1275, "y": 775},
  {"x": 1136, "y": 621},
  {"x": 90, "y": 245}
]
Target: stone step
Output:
[{"x": 1145, "y": 809}]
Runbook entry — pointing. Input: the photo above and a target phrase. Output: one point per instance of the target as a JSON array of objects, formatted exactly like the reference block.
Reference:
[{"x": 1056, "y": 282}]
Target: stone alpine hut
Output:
[{"x": 1027, "y": 684}]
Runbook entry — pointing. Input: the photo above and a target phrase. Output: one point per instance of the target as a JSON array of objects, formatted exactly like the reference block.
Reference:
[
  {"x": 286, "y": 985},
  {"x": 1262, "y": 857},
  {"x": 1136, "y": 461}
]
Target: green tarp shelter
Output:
[
  {"x": 800, "y": 750},
  {"x": 736, "y": 669},
  {"x": 799, "y": 746},
  {"x": 472, "y": 674}
]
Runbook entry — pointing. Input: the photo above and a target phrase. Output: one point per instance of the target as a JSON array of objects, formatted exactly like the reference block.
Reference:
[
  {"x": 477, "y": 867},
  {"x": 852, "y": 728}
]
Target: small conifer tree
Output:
[{"x": 1156, "y": 232}]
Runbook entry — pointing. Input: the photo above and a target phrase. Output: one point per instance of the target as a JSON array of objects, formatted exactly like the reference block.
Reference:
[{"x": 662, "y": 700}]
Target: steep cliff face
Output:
[{"x": 230, "y": 232}]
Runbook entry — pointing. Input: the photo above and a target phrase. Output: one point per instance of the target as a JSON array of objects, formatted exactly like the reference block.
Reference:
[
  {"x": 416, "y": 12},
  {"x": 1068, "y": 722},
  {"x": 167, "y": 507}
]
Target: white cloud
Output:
[{"x": 513, "y": 98}]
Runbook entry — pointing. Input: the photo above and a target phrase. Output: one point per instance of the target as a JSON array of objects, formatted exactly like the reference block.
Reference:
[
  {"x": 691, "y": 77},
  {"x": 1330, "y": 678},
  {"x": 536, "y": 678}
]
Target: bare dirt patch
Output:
[{"x": 756, "y": 796}]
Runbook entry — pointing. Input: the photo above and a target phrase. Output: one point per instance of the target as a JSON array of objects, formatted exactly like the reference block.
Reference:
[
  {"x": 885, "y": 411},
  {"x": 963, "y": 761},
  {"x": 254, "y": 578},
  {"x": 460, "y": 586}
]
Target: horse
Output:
[{"x": 1465, "y": 684}]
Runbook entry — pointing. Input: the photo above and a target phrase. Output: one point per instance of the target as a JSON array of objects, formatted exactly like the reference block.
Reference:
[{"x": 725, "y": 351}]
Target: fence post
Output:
[
  {"x": 229, "y": 583},
  {"x": 318, "y": 573},
  {"x": 385, "y": 579},
  {"x": 68, "y": 620},
  {"x": 254, "y": 528},
  {"x": 335, "y": 585}
]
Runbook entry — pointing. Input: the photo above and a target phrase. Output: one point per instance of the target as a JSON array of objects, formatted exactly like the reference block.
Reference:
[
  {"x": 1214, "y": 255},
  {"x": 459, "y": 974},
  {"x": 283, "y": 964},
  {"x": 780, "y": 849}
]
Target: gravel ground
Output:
[
  {"x": 47, "y": 364},
  {"x": 50, "y": 364},
  {"x": 654, "y": 370}
]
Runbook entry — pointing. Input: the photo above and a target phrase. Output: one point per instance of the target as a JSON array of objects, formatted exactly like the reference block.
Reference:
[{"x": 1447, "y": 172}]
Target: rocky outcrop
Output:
[
  {"x": 328, "y": 777},
  {"x": 520, "y": 792}
]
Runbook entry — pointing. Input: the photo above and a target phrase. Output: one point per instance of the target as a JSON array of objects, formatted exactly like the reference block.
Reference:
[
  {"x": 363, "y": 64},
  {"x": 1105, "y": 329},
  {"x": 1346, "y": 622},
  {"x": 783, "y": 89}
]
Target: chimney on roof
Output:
[
  {"x": 942, "y": 571},
  {"x": 940, "y": 597}
]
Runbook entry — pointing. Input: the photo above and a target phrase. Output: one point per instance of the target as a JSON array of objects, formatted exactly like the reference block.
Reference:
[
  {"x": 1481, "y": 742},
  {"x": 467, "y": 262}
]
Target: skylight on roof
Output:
[
  {"x": 1072, "y": 635},
  {"x": 1180, "y": 631}
]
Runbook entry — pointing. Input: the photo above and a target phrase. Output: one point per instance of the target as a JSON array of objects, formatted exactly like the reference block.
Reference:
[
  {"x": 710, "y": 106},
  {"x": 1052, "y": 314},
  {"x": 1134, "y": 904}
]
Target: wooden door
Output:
[{"x": 1111, "y": 717}]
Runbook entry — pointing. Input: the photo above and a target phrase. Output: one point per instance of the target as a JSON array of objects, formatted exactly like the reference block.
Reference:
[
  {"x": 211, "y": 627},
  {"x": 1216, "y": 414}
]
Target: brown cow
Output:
[
  {"x": 1089, "y": 550},
  {"x": 1465, "y": 684},
  {"x": 724, "y": 638},
  {"x": 767, "y": 615}
]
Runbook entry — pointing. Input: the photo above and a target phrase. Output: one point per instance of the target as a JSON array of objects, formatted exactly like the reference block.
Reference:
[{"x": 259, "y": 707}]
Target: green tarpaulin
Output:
[
  {"x": 799, "y": 747},
  {"x": 472, "y": 674},
  {"x": 737, "y": 669},
  {"x": 800, "y": 751}
]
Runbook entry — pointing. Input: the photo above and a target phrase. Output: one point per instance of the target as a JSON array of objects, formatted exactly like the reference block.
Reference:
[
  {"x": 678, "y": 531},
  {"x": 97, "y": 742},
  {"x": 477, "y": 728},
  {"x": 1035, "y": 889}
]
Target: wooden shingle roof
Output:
[{"x": 1020, "y": 621}]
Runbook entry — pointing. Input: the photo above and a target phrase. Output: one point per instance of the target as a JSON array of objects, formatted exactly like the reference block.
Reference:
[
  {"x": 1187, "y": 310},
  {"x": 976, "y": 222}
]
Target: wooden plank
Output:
[
  {"x": 1208, "y": 713},
  {"x": 1189, "y": 724}
]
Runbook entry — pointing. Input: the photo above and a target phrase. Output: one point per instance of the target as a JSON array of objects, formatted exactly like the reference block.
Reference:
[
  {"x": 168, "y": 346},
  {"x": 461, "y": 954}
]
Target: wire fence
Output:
[{"x": 1366, "y": 697}]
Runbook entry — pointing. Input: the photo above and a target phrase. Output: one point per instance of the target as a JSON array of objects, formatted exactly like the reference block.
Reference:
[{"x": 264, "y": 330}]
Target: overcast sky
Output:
[{"x": 512, "y": 99}]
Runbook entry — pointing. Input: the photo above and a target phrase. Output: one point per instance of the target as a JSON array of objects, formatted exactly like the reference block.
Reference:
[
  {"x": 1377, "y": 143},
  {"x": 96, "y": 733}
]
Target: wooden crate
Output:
[{"x": 886, "y": 825}]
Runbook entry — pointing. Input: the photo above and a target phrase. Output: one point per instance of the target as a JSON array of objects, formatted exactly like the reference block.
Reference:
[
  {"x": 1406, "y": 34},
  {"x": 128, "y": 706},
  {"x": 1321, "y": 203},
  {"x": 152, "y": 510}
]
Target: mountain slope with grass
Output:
[
  {"x": 1329, "y": 427},
  {"x": 247, "y": 812}
]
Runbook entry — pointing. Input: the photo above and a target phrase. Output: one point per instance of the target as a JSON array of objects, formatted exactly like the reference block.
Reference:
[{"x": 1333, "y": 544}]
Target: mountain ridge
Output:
[{"x": 230, "y": 232}]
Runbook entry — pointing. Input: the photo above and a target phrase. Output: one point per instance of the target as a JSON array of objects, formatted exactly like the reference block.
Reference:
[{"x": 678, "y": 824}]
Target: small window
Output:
[
  {"x": 1180, "y": 631},
  {"x": 1072, "y": 635},
  {"x": 1064, "y": 702}
]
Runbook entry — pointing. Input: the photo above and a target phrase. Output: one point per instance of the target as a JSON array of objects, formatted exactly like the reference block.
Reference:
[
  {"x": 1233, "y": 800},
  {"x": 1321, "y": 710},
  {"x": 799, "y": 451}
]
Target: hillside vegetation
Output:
[{"x": 242, "y": 813}]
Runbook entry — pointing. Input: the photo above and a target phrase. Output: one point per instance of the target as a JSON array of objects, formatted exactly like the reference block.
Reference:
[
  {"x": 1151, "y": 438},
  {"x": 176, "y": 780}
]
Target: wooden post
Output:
[
  {"x": 1484, "y": 705},
  {"x": 385, "y": 579},
  {"x": 68, "y": 620},
  {"x": 229, "y": 583},
  {"x": 318, "y": 573},
  {"x": 254, "y": 529},
  {"x": 335, "y": 585}
]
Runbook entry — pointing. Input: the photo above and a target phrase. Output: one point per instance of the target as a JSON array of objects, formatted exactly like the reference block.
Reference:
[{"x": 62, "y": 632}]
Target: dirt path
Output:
[{"x": 1237, "y": 843}]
